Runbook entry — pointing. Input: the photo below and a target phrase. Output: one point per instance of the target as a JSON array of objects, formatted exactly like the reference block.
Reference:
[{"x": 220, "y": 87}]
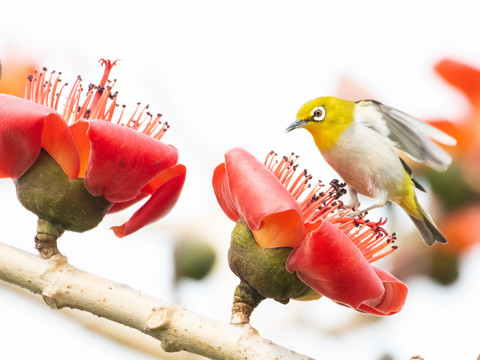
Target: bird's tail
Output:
[{"x": 424, "y": 223}]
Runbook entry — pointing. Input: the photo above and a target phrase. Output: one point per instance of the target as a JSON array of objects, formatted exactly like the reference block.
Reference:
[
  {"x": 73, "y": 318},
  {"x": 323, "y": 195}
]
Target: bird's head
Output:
[{"x": 325, "y": 118}]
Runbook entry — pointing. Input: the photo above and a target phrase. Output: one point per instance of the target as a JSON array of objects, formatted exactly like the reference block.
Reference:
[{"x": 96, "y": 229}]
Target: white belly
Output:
[{"x": 367, "y": 162}]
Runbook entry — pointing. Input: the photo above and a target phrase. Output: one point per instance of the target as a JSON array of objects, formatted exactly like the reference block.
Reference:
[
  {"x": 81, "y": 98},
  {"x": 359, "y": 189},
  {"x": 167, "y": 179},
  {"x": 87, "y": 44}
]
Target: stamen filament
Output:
[{"x": 98, "y": 101}]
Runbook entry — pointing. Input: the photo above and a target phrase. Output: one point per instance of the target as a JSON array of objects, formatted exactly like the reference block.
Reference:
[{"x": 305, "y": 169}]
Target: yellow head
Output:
[{"x": 325, "y": 118}]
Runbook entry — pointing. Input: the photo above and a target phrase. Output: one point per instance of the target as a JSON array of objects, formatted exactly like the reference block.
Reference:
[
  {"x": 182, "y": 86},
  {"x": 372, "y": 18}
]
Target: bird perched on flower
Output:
[{"x": 359, "y": 140}]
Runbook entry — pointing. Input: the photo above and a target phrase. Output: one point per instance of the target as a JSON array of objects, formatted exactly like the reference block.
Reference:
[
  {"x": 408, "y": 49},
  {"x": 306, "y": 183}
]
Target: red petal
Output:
[
  {"x": 270, "y": 211},
  {"x": 25, "y": 127},
  {"x": 331, "y": 264},
  {"x": 465, "y": 78},
  {"x": 122, "y": 161},
  {"x": 159, "y": 204},
  {"x": 222, "y": 192},
  {"x": 392, "y": 300}
]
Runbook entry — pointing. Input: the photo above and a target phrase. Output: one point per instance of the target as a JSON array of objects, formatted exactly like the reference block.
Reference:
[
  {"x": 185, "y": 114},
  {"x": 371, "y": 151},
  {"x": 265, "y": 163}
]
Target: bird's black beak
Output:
[{"x": 295, "y": 125}]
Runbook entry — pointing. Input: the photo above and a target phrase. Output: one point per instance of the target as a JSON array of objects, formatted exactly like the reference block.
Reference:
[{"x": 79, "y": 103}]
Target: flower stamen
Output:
[
  {"x": 99, "y": 102},
  {"x": 369, "y": 237}
]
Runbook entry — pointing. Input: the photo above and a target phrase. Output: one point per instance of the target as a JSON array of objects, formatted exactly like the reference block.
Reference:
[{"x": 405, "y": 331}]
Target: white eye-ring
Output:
[{"x": 319, "y": 113}]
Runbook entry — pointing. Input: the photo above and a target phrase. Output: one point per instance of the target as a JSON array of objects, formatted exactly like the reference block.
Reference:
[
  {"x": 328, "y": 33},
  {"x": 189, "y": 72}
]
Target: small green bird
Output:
[{"x": 359, "y": 140}]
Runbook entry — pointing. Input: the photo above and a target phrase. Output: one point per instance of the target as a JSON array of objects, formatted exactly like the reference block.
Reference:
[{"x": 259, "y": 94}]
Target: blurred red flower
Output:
[
  {"x": 332, "y": 252},
  {"x": 122, "y": 162},
  {"x": 465, "y": 129},
  {"x": 14, "y": 72}
]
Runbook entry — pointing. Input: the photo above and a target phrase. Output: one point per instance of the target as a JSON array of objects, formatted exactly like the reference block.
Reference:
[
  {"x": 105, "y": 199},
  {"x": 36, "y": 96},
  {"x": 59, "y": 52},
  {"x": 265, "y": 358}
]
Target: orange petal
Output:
[
  {"x": 58, "y": 141},
  {"x": 283, "y": 229},
  {"x": 271, "y": 212},
  {"x": 25, "y": 127},
  {"x": 79, "y": 131}
]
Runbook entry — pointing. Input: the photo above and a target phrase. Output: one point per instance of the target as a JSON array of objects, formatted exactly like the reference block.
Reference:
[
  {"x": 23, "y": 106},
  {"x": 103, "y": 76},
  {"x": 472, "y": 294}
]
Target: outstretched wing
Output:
[{"x": 409, "y": 134}]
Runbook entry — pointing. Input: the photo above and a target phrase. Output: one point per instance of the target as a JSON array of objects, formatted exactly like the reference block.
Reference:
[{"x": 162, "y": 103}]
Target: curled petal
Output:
[
  {"x": 160, "y": 203},
  {"x": 465, "y": 78},
  {"x": 271, "y": 212},
  {"x": 222, "y": 192},
  {"x": 122, "y": 161},
  {"x": 331, "y": 264},
  {"x": 25, "y": 127},
  {"x": 393, "y": 298}
]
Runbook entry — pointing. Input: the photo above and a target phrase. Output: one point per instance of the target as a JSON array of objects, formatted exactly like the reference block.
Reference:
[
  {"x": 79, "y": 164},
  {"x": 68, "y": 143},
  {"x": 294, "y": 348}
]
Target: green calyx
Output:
[
  {"x": 263, "y": 270},
  {"x": 46, "y": 191}
]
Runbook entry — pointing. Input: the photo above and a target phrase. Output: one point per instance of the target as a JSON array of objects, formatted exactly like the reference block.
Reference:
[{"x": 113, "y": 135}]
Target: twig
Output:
[{"x": 62, "y": 285}]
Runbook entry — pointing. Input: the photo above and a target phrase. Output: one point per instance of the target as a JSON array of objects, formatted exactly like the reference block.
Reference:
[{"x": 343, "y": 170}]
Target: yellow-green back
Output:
[{"x": 338, "y": 116}]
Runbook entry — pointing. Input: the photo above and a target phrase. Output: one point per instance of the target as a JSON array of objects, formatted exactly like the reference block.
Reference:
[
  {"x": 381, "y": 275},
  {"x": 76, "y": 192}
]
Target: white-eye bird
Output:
[{"x": 359, "y": 140}]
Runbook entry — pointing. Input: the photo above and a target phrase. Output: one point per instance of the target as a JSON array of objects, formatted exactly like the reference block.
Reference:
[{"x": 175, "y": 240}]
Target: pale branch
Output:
[{"x": 62, "y": 285}]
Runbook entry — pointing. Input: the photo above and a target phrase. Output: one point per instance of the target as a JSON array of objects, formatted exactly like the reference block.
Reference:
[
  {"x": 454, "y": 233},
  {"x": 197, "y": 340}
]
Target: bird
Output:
[{"x": 360, "y": 141}]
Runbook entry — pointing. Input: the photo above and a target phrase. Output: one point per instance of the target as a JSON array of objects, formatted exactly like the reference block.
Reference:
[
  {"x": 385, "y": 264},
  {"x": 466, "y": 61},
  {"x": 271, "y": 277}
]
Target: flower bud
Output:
[{"x": 193, "y": 259}]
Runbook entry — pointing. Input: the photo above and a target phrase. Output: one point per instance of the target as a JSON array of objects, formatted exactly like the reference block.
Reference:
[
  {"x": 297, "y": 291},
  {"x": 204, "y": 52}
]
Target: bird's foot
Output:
[{"x": 356, "y": 213}]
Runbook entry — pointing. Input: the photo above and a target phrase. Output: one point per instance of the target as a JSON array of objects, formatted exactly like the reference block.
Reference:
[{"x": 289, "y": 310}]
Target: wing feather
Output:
[{"x": 409, "y": 134}]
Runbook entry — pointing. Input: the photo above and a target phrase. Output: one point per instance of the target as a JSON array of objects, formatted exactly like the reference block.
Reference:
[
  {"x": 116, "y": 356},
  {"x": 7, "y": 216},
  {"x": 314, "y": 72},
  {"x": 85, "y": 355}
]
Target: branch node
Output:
[
  {"x": 49, "y": 295},
  {"x": 158, "y": 319},
  {"x": 57, "y": 261},
  {"x": 240, "y": 312},
  {"x": 49, "y": 301},
  {"x": 245, "y": 299}
]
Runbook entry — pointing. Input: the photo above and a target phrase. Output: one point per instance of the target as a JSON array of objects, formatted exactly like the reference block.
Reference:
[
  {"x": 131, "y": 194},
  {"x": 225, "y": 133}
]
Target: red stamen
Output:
[
  {"x": 111, "y": 109},
  {"x": 67, "y": 110},
  {"x": 29, "y": 87},
  {"x": 58, "y": 95},
  {"x": 35, "y": 86},
  {"x": 108, "y": 67},
  {"x": 98, "y": 103},
  {"x": 53, "y": 90},
  {"x": 121, "y": 114},
  {"x": 369, "y": 237}
]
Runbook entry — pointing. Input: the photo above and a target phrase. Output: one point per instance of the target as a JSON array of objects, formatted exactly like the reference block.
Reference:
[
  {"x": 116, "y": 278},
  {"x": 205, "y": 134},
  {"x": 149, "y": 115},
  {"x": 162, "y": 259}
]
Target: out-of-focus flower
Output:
[
  {"x": 465, "y": 129},
  {"x": 13, "y": 73},
  {"x": 459, "y": 189},
  {"x": 331, "y": 252},
  {"x": 100, "y": 156},
  {"x": 463, "y": 229}
]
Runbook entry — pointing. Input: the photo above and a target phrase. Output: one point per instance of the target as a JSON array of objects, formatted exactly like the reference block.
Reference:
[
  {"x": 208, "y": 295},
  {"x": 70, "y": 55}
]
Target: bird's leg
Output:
[
  {"x": 380, "y": 201},
  {"x": 352, "y": 201}
]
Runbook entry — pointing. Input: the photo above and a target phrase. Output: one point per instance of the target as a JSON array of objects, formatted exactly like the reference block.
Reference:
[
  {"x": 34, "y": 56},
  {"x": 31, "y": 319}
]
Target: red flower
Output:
[
  {"x": 332, "y": 252},
  {"x": 124, "y": 163},
  {"x": 466, "y": 130}
]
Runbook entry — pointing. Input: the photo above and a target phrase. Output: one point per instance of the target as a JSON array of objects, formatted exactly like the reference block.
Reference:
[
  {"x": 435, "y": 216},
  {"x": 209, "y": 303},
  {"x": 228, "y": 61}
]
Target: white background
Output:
[{"x": 228, "y": 74}]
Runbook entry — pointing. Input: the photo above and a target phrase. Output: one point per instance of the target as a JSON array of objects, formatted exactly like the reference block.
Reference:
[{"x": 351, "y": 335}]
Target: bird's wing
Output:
[{"x": 411, "y": 135}]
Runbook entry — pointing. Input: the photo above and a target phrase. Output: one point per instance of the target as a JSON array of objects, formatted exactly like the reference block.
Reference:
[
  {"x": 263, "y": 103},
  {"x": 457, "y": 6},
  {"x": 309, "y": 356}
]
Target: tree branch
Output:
[{"x": 62, "y": 285}]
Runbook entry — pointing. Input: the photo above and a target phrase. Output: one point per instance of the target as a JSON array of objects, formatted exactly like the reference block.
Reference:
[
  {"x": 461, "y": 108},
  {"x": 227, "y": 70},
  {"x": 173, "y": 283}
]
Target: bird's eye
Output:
[{"x": 318, "y": 113}]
